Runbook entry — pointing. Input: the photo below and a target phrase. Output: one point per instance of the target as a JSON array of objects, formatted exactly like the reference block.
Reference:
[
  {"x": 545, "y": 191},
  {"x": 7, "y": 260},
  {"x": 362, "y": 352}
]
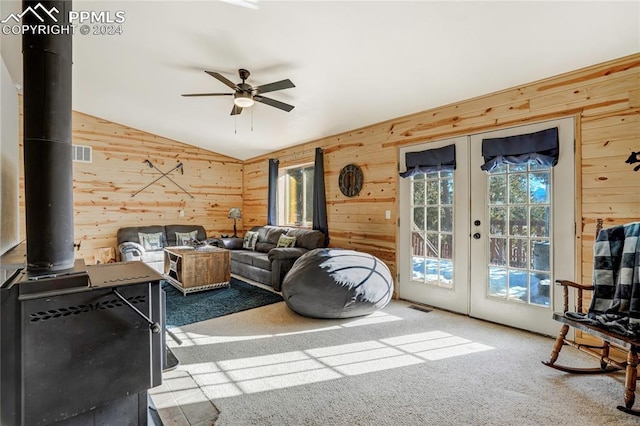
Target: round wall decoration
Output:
[{"x": 350, "y": 180}]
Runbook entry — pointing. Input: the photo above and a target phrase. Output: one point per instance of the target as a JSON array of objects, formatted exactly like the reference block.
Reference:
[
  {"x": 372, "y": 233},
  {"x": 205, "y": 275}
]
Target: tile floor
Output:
[{"x": 181, "y": 402}]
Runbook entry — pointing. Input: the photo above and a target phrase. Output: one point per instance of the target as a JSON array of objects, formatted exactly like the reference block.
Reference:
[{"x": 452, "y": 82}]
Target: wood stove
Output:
[{"x": 82, "y": 347}]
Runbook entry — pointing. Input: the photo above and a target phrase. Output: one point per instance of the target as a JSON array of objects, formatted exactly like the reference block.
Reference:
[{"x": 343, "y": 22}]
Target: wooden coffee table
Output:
[{"x": 195, "y": 269}]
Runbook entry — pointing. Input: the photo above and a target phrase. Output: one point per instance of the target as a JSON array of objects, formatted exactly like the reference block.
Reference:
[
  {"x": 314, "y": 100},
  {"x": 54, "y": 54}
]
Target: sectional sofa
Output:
[
  {"x": 265, "y": 262},
  {"x": 262, "y": 261}
]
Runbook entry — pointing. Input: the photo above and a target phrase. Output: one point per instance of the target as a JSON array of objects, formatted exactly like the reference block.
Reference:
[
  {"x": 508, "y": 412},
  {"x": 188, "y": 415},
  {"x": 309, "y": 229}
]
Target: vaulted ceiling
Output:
[{"x": 353, "y": 63}]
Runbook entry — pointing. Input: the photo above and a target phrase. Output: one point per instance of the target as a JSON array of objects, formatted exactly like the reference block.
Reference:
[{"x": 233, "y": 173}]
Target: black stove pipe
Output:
[{"x": 48, "y": 166}]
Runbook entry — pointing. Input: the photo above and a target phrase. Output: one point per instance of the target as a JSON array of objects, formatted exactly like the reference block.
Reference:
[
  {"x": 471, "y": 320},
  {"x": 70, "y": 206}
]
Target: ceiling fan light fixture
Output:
[
  {"x": 245, "y": 95},
  {"x": 243, "y": 100}
]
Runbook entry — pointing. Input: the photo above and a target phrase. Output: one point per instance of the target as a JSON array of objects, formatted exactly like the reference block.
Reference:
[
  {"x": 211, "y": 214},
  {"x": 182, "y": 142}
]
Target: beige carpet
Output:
[{"x": 400, "y": 366}]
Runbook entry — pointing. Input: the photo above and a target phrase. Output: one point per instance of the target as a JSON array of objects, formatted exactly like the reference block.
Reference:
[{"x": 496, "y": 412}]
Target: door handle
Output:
[{"x": 476, "y": 235}]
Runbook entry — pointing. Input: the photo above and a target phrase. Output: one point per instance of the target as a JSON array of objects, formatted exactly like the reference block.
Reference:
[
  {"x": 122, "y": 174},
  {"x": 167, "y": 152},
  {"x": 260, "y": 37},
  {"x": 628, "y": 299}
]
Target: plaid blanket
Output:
[{"x": 616, "y": 279}]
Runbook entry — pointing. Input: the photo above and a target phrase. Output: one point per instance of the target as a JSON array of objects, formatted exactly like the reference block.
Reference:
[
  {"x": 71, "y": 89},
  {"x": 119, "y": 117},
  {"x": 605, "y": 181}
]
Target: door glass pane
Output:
[
  {"x": 446, "y": 191},
  {"x": 497, "y": 282},
  {"x": 498, "y": 220},
  {"x": 518, "y": 252},
  {"x": 446, "y": 219},
  {"x": 519, "y": 243},
  {"x": 518, "y": 289},
  {"x": 418, "y": 192},
  {"x": 432, "y": 228},
  {"x": 432, "y": 192},
  {"x": 432, "y": 245},
  {"x": 418, "y": 268},
  {"x": 417, "y": 240},
  {"x": 539, "y": 220},
  {"x": 432, "y": 270},
  {"x": 433, "y": 220},
  {"x": 498, "y": 251},
  {"x": 517, "y": 168},
  {"x": 540, "y": 255},
  {"x": 446, "y": 246},
  {"x": 418, "y": 218},
  {"x": 518, "y": 221},
  {"x": 517, "y": 188},
  {"x": 446, "y": 272},
  {"x": 497, "y": 189},
  {"x": 540, "y": 288},
  {"x": 539, "y": 187}
]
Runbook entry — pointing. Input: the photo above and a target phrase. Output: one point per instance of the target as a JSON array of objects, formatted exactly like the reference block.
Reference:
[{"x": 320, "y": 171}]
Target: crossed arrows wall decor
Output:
[{"x": 180, "y": 167}]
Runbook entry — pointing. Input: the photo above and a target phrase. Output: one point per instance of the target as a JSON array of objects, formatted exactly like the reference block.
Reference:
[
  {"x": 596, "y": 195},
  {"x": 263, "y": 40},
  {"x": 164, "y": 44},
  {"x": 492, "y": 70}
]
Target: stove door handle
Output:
[{"x": 153, "y": 326}]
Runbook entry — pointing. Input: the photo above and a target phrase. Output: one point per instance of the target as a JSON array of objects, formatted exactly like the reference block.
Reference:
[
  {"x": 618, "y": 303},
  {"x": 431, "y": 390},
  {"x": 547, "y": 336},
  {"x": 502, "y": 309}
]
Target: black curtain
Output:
[
  {"x": 540, "y": 147},
  {"x": 430, "y": 160},
  {"x": 319, "y": 197},
  {"x": 272, "y": 215}
]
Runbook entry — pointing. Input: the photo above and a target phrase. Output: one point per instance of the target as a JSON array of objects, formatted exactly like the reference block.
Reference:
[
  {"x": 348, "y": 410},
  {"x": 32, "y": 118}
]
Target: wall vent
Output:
[{"x": 82, "y": 153}]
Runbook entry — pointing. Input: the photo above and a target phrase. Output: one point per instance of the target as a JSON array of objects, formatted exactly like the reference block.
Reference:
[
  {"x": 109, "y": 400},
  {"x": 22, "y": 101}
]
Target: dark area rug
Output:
[{"x": 204, "y": 305}]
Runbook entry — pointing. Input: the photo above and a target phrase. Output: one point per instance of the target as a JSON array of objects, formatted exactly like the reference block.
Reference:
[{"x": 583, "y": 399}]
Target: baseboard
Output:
[{"x": 255, "y": 283}]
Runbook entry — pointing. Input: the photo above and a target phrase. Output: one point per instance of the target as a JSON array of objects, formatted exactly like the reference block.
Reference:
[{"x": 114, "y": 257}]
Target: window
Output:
[{"x": 295, "y": 196}]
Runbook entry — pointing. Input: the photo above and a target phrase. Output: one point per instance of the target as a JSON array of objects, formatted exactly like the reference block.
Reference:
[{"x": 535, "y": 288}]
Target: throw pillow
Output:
[
  {"x": 151, "y": 241},
  {"x": 285, "y": 241},
  {"x": 183, "y": 238},
  {"x": 250, "y": 240}
]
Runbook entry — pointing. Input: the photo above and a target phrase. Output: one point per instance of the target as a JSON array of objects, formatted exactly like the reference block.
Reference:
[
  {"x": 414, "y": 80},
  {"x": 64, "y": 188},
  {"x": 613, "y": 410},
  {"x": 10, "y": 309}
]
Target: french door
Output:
[
  {"x": 511, "y": 235},
  {"x": 434, "y": 232},
  {"x": 523, "y": 233}
]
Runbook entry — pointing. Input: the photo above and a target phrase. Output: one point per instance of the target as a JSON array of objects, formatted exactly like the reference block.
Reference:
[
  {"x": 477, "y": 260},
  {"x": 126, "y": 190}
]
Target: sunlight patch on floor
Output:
[
  {"x": 233, "y": 377},
  {"x": 435, "y": 345}
]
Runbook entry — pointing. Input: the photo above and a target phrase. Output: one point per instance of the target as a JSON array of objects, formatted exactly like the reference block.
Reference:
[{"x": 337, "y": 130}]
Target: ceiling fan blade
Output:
[
  {"x": 272, "y": 87},
  {"x": 236, "y": 110},
  {"x": 207, "y": 94},
  {"x": 273, "y": 103},
  {"x": 223, "y": 79}
]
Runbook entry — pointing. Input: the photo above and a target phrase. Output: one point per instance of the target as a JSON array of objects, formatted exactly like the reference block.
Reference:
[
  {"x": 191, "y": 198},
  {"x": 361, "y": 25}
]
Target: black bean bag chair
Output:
[{"x": 337, "y": 283}]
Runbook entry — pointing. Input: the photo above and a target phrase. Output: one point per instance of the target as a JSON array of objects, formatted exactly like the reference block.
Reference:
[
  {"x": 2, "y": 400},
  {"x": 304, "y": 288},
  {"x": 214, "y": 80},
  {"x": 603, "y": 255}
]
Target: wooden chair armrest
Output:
[{"x": 567, "y": 283}]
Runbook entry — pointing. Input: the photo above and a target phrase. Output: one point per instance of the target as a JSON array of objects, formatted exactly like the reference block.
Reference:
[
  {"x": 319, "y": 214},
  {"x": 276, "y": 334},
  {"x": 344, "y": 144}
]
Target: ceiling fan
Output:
[{"x": 245, "y": 95}]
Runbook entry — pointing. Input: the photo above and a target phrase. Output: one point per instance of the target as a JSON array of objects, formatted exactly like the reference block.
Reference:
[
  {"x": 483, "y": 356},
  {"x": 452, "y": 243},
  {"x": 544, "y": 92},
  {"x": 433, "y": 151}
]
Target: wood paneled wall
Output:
[
  {"x": 103, "y": 189},
  {"x": 604, "y": 98}
]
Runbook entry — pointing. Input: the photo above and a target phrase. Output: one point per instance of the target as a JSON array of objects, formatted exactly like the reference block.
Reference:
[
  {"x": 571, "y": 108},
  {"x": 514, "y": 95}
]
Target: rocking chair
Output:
[{"x": 613, "y": 316}]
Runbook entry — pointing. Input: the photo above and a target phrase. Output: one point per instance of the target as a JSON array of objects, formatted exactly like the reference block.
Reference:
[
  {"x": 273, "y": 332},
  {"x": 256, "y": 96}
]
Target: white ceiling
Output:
[{"x": 353, "y": 63}]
